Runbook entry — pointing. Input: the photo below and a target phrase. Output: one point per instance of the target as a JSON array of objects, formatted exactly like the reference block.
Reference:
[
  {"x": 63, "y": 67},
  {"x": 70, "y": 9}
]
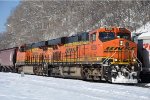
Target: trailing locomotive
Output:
[{"x": 102, "y": 54}]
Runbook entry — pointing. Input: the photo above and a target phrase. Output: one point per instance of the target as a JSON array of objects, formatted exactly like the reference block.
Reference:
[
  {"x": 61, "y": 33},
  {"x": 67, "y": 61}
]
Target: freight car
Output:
[
  {"x": 102, "y": 54},
  {"x": 8, "y": 59}
]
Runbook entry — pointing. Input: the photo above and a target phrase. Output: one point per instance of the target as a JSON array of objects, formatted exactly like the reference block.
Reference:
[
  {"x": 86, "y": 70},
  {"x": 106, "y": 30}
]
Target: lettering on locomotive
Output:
[{"x": 70, "y": 50}]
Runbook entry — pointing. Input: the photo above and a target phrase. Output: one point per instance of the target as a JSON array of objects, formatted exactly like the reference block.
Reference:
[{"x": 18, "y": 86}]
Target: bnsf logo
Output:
[{"x": 146, "y": 46}]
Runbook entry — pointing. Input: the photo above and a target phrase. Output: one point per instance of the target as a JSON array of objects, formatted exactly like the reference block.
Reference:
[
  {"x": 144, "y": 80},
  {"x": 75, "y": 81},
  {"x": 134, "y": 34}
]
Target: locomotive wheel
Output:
[
  {"x": 113, "y": 73},
  {"x": 45, "y": 69},
  {"x": 16, "y": 70},
  {"x": 85, "y": 74},
  {"x": 39, "y": 70},
  {"x": 0, "y": 68},
  {"x": 35, "y": 70},
  {"x": 107, "y": 74},
  {"x": 20, "y": 69}
]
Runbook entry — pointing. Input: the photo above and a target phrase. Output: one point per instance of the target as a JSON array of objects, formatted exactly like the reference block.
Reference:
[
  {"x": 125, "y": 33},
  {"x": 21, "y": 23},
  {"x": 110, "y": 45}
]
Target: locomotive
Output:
[{"x": 105, "y": 54}]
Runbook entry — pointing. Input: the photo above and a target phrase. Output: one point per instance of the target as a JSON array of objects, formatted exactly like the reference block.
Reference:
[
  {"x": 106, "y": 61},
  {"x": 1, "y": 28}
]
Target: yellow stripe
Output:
[{"x": 77, "y": 43}]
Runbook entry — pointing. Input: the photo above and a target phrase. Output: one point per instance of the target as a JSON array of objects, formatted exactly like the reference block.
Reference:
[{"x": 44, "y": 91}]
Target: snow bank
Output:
[
  {"x": 122, "y": 79},
  {"x": 30, "y": 87},
  {"x": 148, "y": 85},
  {"x": 144, "y": 31}
]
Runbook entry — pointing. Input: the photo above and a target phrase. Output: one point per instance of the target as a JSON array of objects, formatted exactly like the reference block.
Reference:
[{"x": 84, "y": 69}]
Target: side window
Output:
[
  {"x": 21, "y": 49},
  {"x": 79, "y": 38},
  {"x": 93, "y": 37}
]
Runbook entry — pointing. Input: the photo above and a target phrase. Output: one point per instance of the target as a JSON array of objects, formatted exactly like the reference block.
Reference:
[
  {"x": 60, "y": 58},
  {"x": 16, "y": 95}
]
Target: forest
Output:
[{"x": 40, "y": 20}]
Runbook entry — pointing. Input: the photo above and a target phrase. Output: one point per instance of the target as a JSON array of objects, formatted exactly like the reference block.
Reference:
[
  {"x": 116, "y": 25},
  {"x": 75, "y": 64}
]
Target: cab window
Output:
[
  {"x": 21, "y": 49},
  {"x": 106, "y": 36},
  {"x": 124, "y": 35},
  {"x": 93, "y": 37}
]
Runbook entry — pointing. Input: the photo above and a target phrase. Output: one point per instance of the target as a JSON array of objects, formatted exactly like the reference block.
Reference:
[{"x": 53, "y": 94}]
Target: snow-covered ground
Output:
[
  {"x": 30, "y": 87},
  {"x": 144, "y": 31}
]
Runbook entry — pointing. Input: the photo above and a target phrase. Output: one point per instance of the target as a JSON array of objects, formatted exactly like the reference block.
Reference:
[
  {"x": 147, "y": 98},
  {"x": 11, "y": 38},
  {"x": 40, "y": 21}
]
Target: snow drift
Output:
[{"x": 30, "y": 87}]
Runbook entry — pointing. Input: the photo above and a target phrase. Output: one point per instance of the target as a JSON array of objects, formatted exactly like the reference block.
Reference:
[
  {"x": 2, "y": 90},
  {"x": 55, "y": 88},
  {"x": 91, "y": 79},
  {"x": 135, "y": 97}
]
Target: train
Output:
[
  {"x": 143, "y": 42},
  {"x": 104, "y": 54}
]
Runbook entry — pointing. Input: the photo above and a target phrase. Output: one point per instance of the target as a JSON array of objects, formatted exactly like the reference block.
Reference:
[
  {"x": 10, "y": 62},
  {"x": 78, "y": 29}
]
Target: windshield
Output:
[
  {"x": 106, "y": 36},
  {"x": 124, "y": 35}
]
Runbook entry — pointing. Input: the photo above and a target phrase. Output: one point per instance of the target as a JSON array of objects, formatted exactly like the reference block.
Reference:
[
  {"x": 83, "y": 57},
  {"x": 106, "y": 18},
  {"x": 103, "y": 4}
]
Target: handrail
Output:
[
  {"x": 137, "y": 59},
  {"x": 109, "y": 57}
]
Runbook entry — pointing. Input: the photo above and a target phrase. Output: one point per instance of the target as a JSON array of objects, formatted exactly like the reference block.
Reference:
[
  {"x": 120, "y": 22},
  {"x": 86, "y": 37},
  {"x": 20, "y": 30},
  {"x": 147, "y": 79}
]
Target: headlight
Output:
[
  {"x": 134, "y": 60},
  {"x": 115, "y": 59},
  {"x": 121, "y": 43}
]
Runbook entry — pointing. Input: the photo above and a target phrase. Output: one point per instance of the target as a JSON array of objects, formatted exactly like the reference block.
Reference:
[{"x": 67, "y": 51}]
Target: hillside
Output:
[{"x": 34, "y": 21}]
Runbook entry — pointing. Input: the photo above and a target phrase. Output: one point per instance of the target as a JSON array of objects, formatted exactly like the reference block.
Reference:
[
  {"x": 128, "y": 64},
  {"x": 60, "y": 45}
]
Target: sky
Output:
[{"x": 6, "y": 7}]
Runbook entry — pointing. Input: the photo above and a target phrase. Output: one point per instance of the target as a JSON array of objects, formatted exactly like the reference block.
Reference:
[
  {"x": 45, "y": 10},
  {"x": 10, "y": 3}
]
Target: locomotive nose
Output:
[{"x": 124, "y": 43}]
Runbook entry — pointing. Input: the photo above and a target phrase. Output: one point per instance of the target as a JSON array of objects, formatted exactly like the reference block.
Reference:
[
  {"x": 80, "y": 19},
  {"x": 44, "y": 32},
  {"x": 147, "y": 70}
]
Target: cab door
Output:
[{"x": 93, "y": 46}]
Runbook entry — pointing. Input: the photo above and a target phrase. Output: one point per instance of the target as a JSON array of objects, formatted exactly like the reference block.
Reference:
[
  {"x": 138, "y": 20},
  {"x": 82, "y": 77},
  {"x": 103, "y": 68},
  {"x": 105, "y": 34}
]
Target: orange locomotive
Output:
[
  {"x": 103, "y": 54},
  {"x": 31, "y": 57}
]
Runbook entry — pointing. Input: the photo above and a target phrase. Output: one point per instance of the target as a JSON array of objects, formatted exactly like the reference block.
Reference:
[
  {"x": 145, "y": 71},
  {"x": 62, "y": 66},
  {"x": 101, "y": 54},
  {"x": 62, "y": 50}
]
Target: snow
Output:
[
  {"x": 145, "y": 35},
  {"x": 148, "y": 85},
  {"x": 144, "y": 31},
  {"x": 145, "y": 28},
  {"x": 121, "y": 79},
  {"x": 30, "y": 87}
]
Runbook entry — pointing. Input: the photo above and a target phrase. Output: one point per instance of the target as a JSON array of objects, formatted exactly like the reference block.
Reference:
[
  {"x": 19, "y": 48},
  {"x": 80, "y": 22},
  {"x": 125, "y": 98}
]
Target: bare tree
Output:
[{"x": 41, "y": 20}]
